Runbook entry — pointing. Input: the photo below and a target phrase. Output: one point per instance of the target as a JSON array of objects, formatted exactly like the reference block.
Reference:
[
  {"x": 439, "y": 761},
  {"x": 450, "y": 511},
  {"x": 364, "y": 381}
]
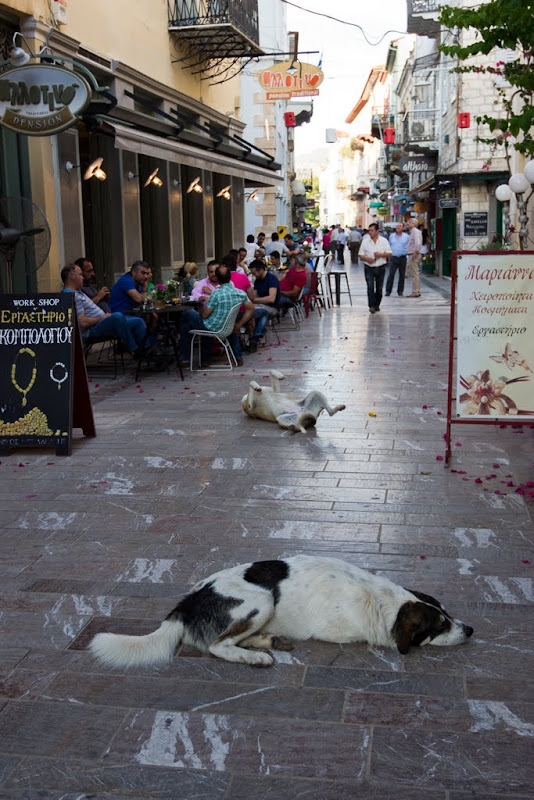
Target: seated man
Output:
[
  {"x": 214, "y": 313},
  {"x": 260, "y": 315},
  {"x": 94, "y": 322},
  {"x": 98, "y": 296},
  {"x": 202, "y": 289},
  {"x": 266, "y": 287},
  {"x": 276, "y": 261},
  {"x": 292, "y": 283},
  {"x": 130, "y": 290}
]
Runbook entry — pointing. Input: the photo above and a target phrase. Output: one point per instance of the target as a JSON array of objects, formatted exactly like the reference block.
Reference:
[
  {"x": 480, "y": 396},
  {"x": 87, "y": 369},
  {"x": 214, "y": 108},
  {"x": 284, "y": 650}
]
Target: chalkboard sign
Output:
[
  {"x": 37, "y": 337},
  {"x": 476, "y": 223}
]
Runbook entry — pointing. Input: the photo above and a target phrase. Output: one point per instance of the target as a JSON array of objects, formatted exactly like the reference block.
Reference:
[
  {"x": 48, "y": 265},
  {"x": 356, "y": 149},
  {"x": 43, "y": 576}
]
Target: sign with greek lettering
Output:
[
  {"x": 41, "y": 99},
  {"x": 291, "y": 79},
  {"x": 36, "y": 365},
  {"x": 476, "y": 223},
  {"x": 495, "y": 335}
]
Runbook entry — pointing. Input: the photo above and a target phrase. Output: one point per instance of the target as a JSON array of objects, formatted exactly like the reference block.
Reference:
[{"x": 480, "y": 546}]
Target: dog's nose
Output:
[{"x": 468, "y": 630}]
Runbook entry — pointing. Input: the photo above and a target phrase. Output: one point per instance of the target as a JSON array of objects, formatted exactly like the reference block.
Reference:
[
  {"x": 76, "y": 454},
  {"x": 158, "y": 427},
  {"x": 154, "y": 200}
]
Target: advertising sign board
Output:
[{"x": 291, "y": 79}]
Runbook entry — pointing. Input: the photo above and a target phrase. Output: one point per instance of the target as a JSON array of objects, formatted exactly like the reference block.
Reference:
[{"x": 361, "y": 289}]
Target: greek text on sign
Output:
[
  {"x": 495, "y": 341},
  {"x": 282, "y": 85},
  {"x": 41, "y": 99}
]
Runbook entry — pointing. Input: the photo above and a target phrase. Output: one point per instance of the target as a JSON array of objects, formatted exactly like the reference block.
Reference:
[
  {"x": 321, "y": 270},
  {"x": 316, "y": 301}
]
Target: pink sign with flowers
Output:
[{"x": 495, "y": 335}]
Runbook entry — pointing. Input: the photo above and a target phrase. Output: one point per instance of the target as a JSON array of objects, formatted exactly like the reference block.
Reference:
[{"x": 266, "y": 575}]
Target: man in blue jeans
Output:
[
  {"x": 398, "y": 243},
  {"x": 214, "y": 313},
  {"x": 94, "y": 322}
]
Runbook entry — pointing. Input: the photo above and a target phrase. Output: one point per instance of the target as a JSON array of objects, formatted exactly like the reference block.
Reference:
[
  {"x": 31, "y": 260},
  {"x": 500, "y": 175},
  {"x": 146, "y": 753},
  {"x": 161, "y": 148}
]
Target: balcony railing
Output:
[
  {"x": 419, "y": 126},
  {"x": 214, "y": 24},
  {"x": 423, "y": 17}
]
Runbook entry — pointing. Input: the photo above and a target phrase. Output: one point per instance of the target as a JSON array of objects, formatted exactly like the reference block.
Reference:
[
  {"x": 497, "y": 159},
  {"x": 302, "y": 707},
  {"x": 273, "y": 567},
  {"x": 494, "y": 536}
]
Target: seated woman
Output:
[{"x": 188, "y": 276}]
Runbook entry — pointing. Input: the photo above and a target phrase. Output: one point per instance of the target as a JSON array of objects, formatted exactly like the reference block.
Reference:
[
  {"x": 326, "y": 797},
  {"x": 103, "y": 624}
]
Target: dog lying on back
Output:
[
  {"x": 303, "y": 597},
  {"x": 272, "y": 405}
]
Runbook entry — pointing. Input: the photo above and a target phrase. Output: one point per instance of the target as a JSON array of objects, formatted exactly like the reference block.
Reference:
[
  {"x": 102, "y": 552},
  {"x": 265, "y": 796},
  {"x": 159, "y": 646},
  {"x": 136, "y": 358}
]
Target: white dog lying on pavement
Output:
[
  {"x": 272, "y": 405},
  {"x": 303, "y": 597}
]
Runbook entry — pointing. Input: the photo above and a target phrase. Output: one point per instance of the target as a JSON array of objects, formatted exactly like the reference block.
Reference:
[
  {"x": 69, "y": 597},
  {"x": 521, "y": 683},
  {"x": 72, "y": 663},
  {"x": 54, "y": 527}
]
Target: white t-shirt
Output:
[
  {"x": 276, "y": 246},
  {"x": 369, "y": 248}
]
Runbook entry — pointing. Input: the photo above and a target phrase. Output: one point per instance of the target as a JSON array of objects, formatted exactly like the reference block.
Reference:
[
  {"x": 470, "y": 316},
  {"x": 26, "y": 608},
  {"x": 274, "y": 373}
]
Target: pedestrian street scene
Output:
[{"x": 178, "y": 484}]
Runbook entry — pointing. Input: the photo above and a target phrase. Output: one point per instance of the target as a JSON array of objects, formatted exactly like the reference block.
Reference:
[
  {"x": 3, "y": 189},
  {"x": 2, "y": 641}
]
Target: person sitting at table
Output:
[
  {"x": 213, "y": 314},
  {"x": 275, "y": 244},
  {"x": 266, "y": 287},
  {"x": 242, "y": 261},
  {"x": 130, "y": 290},
  {"x": 260, "y": 316},
  {"x": 293, "y": 282},
  {"x": 94, "y": 322},
  {"x": 202, "y": 289},
  {"x": 276, "y": 261},
  {"x": 98, "y": 296},
  {"x": 188, "y": 276},
  {"x": 291, "y": 245}
]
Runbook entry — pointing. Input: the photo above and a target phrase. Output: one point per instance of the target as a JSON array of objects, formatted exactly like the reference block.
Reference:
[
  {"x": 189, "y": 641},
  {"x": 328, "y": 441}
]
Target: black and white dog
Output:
[{"x": 303, "y": 597}]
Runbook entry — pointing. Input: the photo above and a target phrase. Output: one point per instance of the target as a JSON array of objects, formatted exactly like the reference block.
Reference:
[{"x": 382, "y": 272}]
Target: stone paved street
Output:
[{"x": 180, "y": 483}]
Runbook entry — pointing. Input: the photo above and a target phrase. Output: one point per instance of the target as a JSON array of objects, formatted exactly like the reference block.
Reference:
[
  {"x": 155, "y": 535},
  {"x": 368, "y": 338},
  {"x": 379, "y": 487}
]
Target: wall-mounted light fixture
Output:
[
  {"x": 153, "y": 179},
  {"x": 94, "y": 170},
  {"x": 253, "y": 196},
  {"x": 195, "y": 186},
  {"x": 18, "y": 56},
  {"x": 225, "y": 192}
]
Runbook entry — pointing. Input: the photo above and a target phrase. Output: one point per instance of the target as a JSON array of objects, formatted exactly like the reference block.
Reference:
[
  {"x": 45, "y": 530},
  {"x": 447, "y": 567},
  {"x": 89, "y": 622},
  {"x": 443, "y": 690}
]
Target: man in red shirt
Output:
[{"x": 292, "y": 283}]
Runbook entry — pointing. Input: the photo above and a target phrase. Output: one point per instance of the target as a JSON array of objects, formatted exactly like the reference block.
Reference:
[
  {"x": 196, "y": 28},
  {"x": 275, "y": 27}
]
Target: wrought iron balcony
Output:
[
  {"x": 216, "y": 29},
  {"x": 419, "y": 127},
  {"x": 423, "y": 17}
]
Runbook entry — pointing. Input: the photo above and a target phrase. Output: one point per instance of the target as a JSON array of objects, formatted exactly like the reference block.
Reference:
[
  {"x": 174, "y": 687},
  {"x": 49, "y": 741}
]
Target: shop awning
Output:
[{"x": 148, "y": 144}]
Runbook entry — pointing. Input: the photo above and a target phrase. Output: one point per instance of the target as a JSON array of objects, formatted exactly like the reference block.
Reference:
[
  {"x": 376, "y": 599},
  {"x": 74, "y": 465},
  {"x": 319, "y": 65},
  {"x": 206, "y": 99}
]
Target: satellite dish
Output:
[
  {"x": 25, "y": 231},
  {"x": 154, "y": 179},
  {"x": 95, "y": 170}
]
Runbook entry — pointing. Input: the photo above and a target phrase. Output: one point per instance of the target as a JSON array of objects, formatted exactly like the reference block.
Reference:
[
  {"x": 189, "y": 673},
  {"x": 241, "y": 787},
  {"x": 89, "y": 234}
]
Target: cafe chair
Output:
[
  {"x": 220, "y": 336},
  {"x": 313, "y": 296},
  {"x": 110, "y": 351}
]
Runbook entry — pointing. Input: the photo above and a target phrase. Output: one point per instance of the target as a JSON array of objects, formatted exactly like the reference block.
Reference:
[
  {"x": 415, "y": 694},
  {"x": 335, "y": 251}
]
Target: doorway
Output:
[{"x": 449, "y": 231}]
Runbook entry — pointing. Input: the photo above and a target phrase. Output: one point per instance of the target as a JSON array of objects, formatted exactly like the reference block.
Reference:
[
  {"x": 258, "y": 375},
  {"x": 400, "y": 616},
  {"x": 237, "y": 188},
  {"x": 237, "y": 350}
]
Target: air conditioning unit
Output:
[{"x": 418, "y": 130}]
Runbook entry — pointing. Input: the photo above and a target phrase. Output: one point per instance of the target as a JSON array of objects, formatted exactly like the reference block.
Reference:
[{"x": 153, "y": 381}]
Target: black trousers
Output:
[
  {"x": 374, "y": 277},
  {"x": 396, "y": 263}
]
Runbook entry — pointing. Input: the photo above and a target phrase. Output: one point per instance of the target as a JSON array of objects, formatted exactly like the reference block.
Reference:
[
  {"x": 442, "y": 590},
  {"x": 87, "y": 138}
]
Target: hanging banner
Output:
[
  {"x": 291, "y": 79},
  {"x": 495, "y": 335}
]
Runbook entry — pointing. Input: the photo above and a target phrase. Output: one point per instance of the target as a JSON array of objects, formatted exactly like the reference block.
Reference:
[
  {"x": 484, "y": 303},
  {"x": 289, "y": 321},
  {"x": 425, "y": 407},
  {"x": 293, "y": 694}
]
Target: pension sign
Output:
[
  {"x": 41, "y": 99},
  {"x": 291, "y": 79}
]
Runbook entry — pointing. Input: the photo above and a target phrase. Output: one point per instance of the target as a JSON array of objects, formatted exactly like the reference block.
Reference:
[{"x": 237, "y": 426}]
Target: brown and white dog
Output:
[
  {"x": 272, "y": 405},
  {"x": 303, "y": 597}
]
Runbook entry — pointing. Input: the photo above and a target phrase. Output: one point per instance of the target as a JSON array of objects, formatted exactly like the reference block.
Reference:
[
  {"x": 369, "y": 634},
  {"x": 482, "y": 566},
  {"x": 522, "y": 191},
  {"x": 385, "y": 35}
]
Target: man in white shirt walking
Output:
[
  {"x": 413, "y": 251},
  {"x": 374, "y": 252}
]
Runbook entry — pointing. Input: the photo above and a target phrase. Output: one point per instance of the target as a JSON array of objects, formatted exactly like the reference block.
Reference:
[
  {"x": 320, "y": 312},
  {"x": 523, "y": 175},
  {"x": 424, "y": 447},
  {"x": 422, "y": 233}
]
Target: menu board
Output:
[{"x": 37, "y": 339}]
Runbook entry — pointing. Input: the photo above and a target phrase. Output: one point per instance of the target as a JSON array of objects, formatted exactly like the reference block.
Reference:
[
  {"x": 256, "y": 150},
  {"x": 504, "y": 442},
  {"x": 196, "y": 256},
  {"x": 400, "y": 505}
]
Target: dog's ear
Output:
[{"x": 411, "y": 626}]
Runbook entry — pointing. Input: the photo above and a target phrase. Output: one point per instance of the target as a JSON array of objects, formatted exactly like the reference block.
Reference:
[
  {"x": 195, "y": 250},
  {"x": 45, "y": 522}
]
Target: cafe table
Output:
[{"x": 168, "y": 317}]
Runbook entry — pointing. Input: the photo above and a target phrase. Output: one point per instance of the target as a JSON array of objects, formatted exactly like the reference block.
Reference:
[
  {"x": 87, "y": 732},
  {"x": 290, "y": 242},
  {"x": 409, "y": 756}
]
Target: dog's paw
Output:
[
  {"x": 255, "y": 386},
  {"x": 257, "y": 658},
  {"x": 340, "y": 408},
  {"x": 278, "y": 375},
  {"x": 281, "y": 643}
]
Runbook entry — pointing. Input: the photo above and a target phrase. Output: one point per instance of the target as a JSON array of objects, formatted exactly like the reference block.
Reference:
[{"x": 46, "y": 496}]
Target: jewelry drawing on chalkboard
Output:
[
  {"x": 23, "y": 391},
  {"x": 61, "y": 379}
]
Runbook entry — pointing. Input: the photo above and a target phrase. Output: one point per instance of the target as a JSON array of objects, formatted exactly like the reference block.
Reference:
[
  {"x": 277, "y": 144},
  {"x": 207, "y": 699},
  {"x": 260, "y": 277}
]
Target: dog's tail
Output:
[{"x": 118, "y": 650}]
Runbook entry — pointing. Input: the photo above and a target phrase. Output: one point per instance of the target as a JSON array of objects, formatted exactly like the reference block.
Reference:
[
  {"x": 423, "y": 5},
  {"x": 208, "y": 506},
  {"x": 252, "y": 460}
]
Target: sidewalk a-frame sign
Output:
[{"x": 491, "y": 350}]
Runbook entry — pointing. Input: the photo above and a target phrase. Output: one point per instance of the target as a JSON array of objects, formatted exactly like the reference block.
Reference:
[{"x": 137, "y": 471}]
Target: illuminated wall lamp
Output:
[
  {"x": 94, "y": 170},
  {"x": 253, "y": 196},
  {"x": 225, "y": 192},
  {"x": 153, "y": 179},
  {"x": 195, "y": 186}
]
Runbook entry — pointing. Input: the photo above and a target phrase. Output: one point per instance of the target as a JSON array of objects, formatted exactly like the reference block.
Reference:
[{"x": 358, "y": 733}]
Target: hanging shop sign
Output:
[
  {"x": 382, "y": 212},
  {"x": 41, "y": 99},
  {"x": 449, "y": 202},
  {"x": 476, "y": 223},
  {"x": 291, "y": 79},
  {"x": 415, "y": 164}
]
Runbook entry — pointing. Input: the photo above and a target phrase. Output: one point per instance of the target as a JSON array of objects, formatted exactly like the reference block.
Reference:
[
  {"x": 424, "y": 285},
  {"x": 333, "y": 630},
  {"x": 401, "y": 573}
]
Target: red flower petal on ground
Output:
[
  {"x": 457, "y": 444},
  {"x": 466, "y": 479},
  {"x": 496, "y": 466},
  {"x": 438, "y": 413},
  {"x": 526, "y": 561},
  {"x": 31, "y": 495},
  {"x": 422, "y": 558},
  {"x": 478, "y": 480},
  {"x": 425, "y": 406},
  {"x": 519, "y": 491},
  {"x": 439, "y": 458}
]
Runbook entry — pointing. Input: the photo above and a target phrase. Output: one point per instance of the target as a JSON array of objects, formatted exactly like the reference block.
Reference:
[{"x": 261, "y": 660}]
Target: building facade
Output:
[{"x": 165, "y": 107}]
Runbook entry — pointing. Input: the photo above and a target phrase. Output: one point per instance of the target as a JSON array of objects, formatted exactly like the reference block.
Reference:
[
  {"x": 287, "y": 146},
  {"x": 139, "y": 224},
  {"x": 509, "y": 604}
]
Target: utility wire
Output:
[{"x": 343, "y": 22}]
